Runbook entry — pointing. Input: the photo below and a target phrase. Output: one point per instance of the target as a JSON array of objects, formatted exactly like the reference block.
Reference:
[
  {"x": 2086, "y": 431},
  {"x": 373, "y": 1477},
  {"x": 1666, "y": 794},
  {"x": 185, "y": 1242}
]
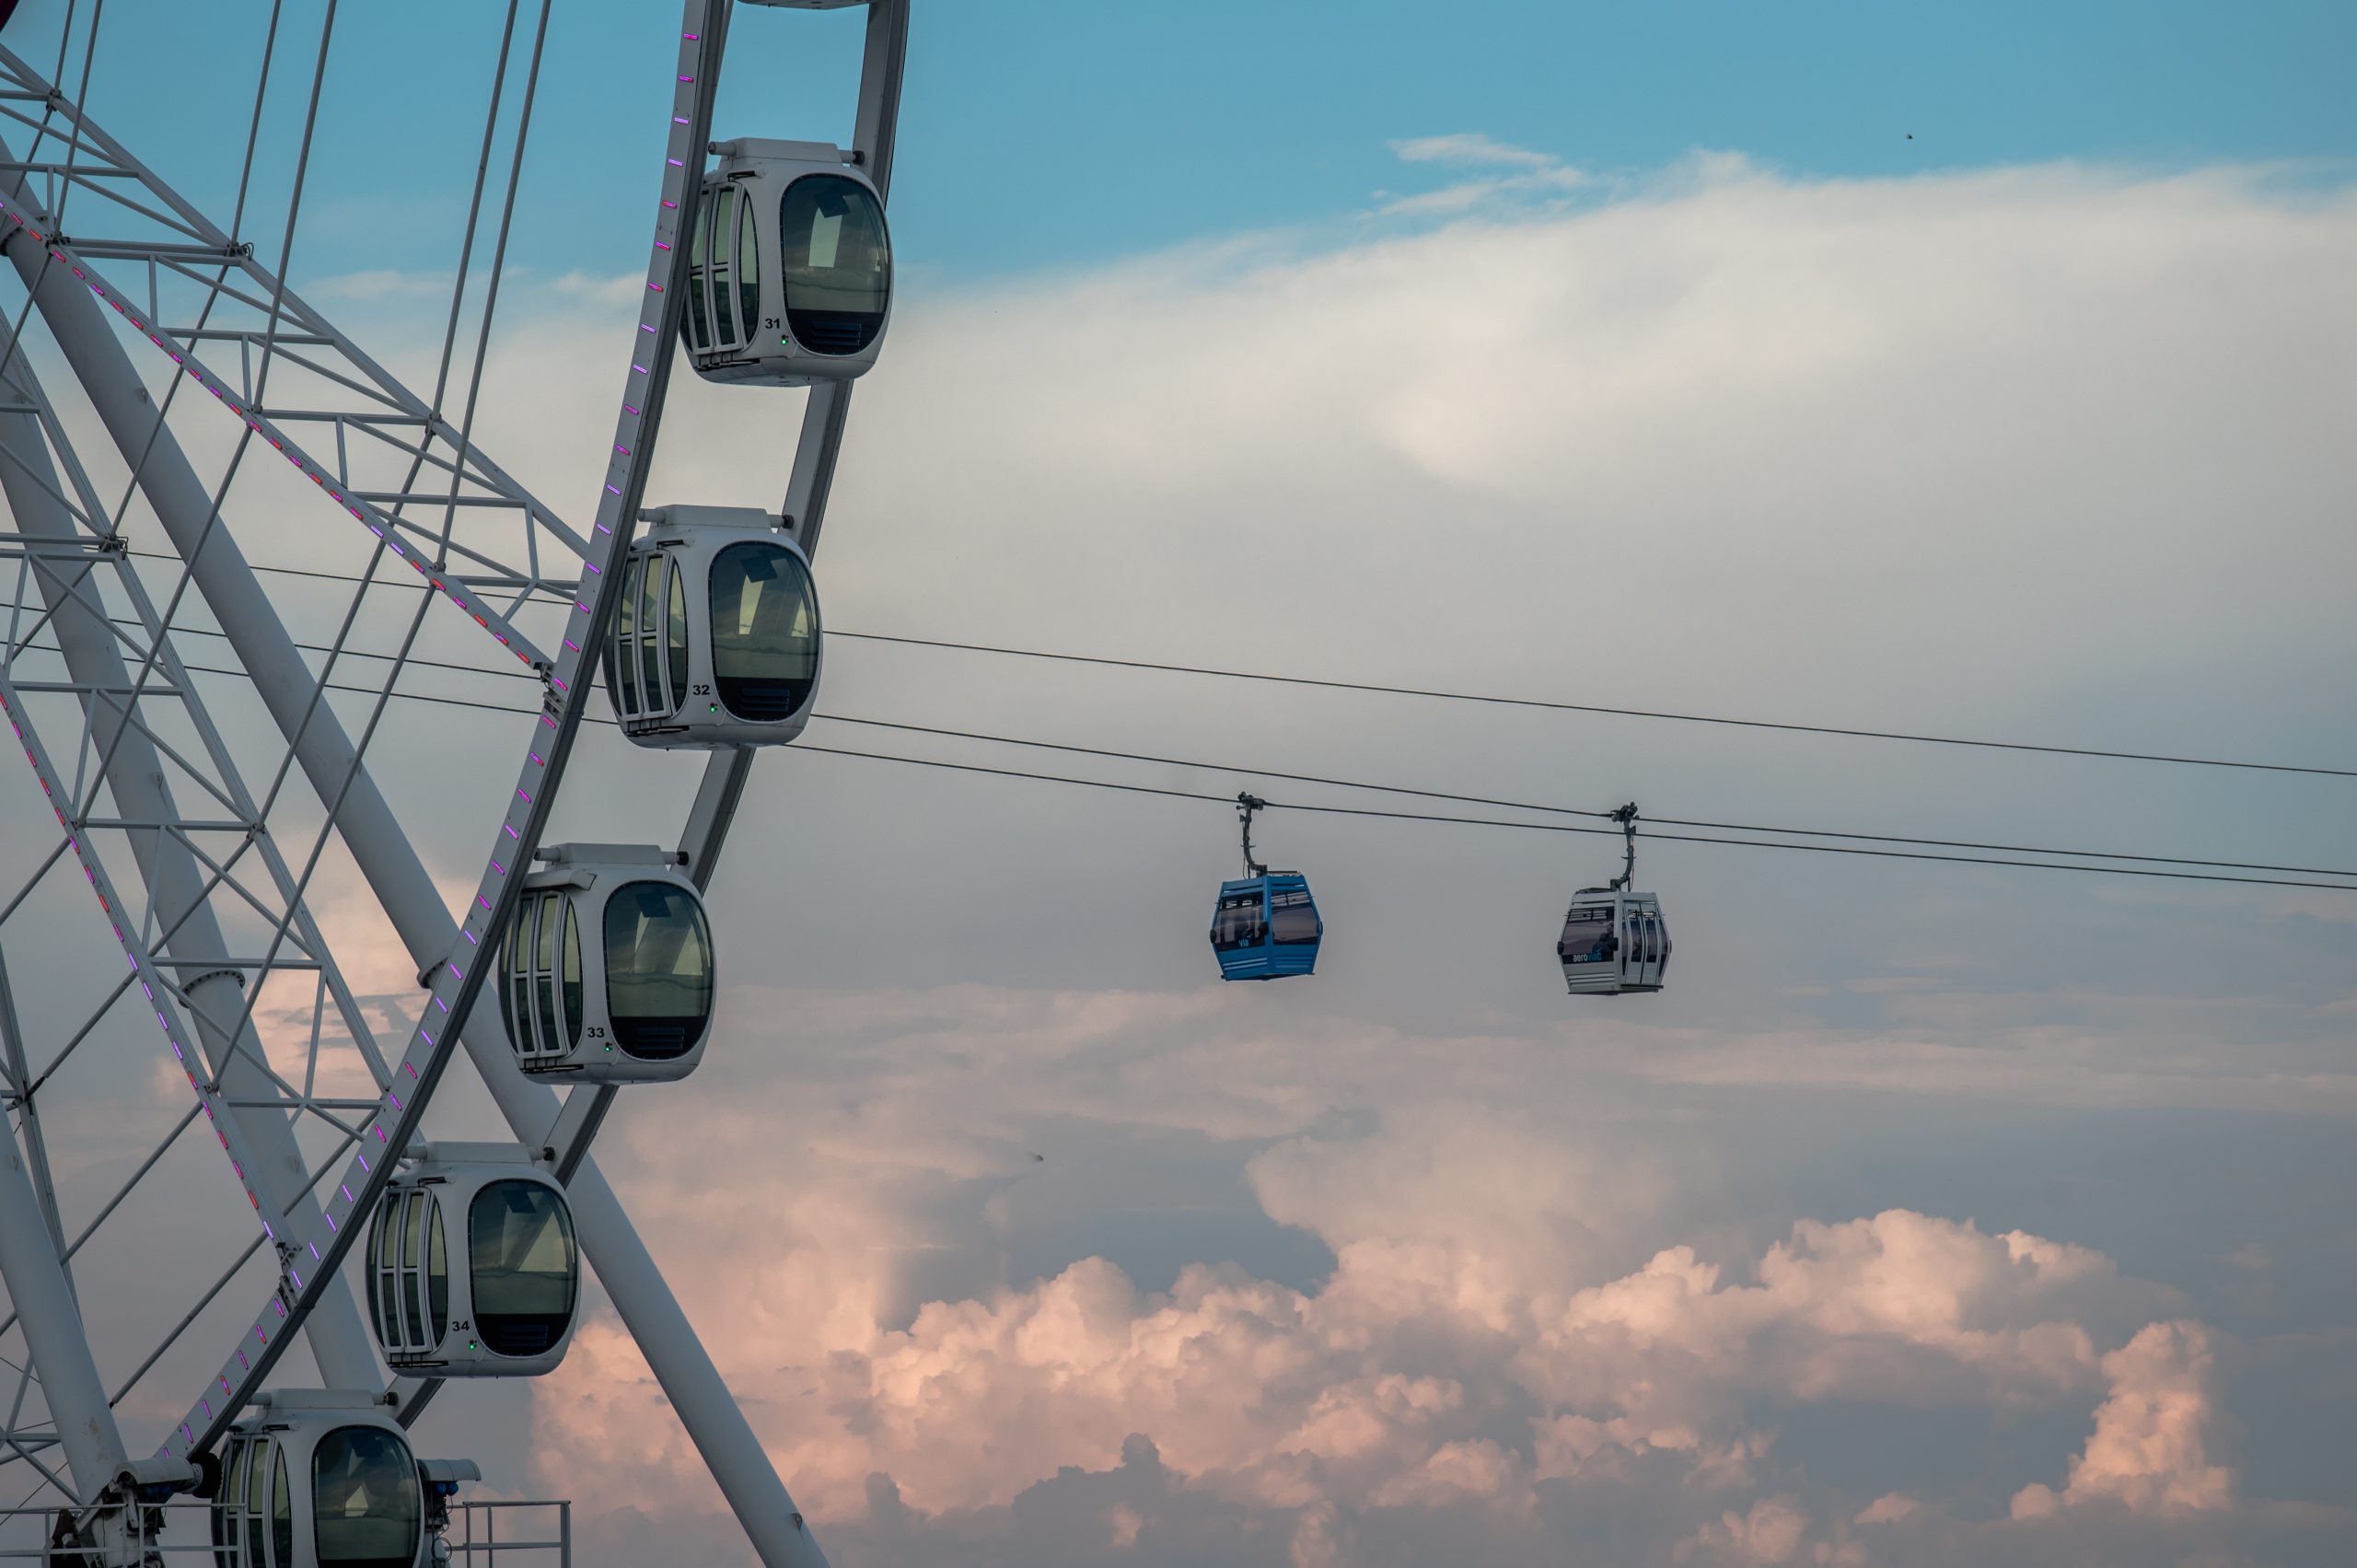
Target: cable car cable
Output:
[
  {"x": 1442, "y": 795},
  {"x": 1578, "y": 811},
  {"x": 1496, "y": 700},
  {"x": 1594, "y": 708},
  {"x": 1569, "y": 828}
]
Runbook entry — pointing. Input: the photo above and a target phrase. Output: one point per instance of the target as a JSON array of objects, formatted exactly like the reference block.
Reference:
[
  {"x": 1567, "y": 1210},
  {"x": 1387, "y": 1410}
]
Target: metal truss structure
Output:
[{"x": 160, "y": 381}]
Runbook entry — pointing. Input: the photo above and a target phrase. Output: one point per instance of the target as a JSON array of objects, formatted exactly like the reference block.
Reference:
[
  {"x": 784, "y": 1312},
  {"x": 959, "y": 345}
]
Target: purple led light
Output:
[{"x": 347, "y": 1192}]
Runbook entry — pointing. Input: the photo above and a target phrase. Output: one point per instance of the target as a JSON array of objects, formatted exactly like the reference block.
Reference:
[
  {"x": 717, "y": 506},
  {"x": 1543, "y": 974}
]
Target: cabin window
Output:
[
  {"x": 521, "y": 1266},
  {"x": 835, "y": 263},
  {"x": 1588, "y": 936},
  {"x": 765, "y": 630},
  {"x": 281, "y": 1510},
  {"x": 572, "y": 976},
  {"x": 367, "y": 1509},
  {"x": 658, "y": 969},
  {"x": 1293, "y": 919},
  {"x": 1239, "y": 921}
]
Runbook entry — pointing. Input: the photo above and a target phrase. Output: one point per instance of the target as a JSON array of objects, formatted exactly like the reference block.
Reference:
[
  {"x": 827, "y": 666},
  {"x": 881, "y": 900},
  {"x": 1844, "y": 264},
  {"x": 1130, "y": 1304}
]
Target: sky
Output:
[{"x": 1934, "y": 1214}]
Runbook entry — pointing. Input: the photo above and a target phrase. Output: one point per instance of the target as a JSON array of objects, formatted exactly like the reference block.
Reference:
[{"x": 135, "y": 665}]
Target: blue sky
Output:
[
  {"x": 1044, "y": 133},
  {"x": 1871, "y": 1240}
]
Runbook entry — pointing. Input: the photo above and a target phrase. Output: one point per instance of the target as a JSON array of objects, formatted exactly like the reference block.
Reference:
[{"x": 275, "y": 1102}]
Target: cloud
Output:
[
  {"x": 1540, "y": 176},
  {"x": 2150, "y": 1447},
  {"x": 1428, "y": 1373},
  {"x": 1469, "y": 147}
]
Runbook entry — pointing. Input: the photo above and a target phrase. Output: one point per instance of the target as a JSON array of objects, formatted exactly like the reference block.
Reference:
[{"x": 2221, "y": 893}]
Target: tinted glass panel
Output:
[
  {"x": 675, "y": 636},
  {"x": 523, "y": 1266},
  {"x": 748, "y": 269},
  {"x": 1238, "y": 922},
  {"x": 765, "y": 630},
  {"x": 572, "y": 976},
  {"x": 626, "y": 635},
  {"x": 544, "y": 966},
  {"x": 1588, "y": 936},
  {"x": 726, "y": 329},
  {"x": 836, "y": 263},
  {"x": 437, "y": 1275},
  {"x": 1293, "y": 919},
  {"x": 413, "y": 1253},
  {"x": 281, "y": 1513},
  {"x": 515, "y": 995},
  {"x": 697, "y": 326},
  {"x": 367, "y": 1513},
  {"x": 650, "y": 632},
  {"x": 658, "y": 969}
]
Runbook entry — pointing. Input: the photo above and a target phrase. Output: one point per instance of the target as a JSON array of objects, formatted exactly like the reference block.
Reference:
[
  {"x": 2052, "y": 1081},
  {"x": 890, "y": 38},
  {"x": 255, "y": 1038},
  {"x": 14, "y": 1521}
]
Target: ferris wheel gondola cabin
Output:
[
  {"x": 790, "y": 268},
  {"x": 607, "y": 969},
  {"x": 472, "y": 1269},
  {"x": 1614, "y": 941},
  {"x": 327, "y": 1479},
  {"x": 717, "y": 640},
  {"x": 1265, "y": 925}
]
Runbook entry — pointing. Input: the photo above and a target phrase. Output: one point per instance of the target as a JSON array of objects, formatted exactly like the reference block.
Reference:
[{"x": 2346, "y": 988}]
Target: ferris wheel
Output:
[{"x": 162, "y": 386}]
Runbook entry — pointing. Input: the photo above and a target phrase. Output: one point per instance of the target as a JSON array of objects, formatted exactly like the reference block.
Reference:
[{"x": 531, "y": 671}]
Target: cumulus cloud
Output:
[
  {"x": 2149, "y": 1449},
  {"x": 1418, "y": 1376}
]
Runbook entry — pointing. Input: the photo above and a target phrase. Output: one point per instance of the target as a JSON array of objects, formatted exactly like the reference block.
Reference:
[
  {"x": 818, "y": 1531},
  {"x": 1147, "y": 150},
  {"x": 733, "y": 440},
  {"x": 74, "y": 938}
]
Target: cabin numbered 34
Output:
[
  {"x": 472, "y": 1266},
  {"x": 790, "y": 267}
]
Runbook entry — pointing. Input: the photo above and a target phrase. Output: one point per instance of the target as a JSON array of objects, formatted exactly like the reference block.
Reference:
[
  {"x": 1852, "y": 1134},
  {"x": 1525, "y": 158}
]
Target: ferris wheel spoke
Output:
[{"x": 339, "y": 384}]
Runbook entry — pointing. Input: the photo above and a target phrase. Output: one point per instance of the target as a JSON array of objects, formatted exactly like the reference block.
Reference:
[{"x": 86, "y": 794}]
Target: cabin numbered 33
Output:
[
  {"x": 790, "y": 267},
  {"x": 717, "y": 640},
  {"x": 606, "y": 972}
]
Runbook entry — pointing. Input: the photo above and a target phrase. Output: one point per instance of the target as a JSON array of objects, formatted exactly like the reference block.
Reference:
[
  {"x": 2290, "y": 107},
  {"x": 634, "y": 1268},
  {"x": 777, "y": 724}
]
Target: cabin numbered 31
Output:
[{"x": 790, "y": 267}]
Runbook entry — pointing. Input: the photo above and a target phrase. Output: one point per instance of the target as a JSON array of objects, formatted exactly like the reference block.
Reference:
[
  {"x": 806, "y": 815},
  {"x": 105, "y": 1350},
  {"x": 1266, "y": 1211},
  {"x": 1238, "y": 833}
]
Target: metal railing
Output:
[
  {"x": 489, "y": 1533},
  {"x": 474, "y": 1535}
]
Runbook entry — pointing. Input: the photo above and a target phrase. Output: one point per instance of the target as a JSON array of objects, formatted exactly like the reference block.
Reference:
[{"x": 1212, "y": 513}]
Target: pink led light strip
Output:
[
  {"x": 368, "y": 515},
  {"x": 453, "y": 982}
]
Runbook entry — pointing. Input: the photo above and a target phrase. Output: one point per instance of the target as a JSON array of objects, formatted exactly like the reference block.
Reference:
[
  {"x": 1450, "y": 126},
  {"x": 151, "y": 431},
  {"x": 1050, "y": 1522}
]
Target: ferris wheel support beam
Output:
[
  {"x": 711, "y": 1414},
  {"x": 176, "y": 890},
  {"x": 52, "y": 1324}
]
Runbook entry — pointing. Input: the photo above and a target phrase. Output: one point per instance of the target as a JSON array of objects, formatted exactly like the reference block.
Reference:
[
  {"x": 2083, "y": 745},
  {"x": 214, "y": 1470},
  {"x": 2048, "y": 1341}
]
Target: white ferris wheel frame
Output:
[{"x": 113, "y": 778}]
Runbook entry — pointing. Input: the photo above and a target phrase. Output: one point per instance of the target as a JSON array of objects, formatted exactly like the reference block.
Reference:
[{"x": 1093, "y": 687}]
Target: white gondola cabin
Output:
[
  {"x": 790, "y": 268},
  {"x": 473, "y": 1270},
  {"x": 1613, "y": 942},
  {"x": 324, "y": 1480},
  {"x": 607, "y": 970},
  {"x": 717, "y": 640}
]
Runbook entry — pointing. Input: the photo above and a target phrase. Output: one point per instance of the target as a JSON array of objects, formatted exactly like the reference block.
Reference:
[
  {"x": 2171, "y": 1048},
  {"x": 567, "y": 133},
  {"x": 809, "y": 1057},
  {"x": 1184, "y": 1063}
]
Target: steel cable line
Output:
[
  {"x": 1544, "y": 704},
  {"x": 1370, "y": 812},
  {"x": 1399, "y": 789}
]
